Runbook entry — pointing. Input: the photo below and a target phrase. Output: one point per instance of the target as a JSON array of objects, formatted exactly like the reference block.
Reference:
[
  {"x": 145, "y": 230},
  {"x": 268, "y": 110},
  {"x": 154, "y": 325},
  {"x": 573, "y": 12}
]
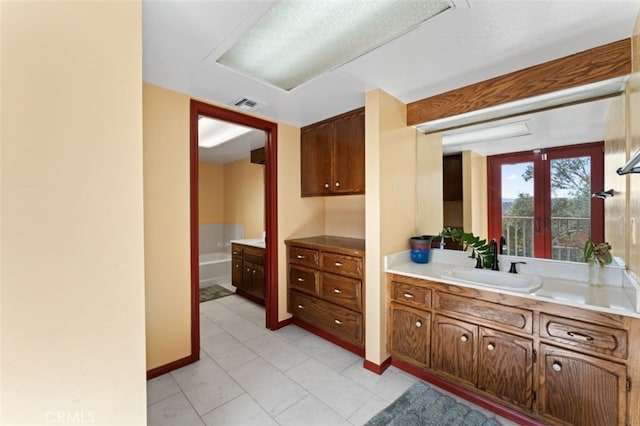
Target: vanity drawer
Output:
[
  {"x": 341, "y": 264},
  {"x": 303, "y": 256},
  {"x": 342, "y": 291},
  {"x": 411, "y": 295},
  {"x": 485, "y": 313},
  {"x": 342, "y": 323},
  {"x": 583, "y": 335},
  {"x": 303, "y": 279},
  {"x": 236, "y": 250},
  {"x": 254, "y": 255}
]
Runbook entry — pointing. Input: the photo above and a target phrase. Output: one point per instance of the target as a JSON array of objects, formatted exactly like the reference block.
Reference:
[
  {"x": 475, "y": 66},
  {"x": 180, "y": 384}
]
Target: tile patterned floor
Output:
[{"x": 248, "y": 375}]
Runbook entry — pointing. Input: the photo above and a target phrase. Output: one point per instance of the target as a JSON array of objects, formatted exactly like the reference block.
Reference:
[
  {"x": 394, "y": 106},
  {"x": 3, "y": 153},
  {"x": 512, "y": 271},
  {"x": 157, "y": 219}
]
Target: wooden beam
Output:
[{"x": 593, "y": 65}]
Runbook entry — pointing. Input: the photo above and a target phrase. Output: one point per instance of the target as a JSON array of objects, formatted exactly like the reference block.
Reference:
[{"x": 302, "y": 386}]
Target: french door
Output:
[{"x": 540, "y": 201}]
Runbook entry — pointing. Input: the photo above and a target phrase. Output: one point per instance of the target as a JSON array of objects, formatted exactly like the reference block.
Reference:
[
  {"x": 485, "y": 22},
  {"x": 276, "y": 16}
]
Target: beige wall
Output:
[
  {"x": 210, "y": 193},
  {"x": 166, "y": 225},
  {"x": 344, "y": 216},
  {"x": 72, "y": 331},
  {"x": 615, "y": 154},
  {"x": 633, "y": 141},
  {"x": 390, "y": 205},
  {"x": 474, "y": 188},
  {"x": 430, "y": 214},
  {"x": 244, "y": 196}
]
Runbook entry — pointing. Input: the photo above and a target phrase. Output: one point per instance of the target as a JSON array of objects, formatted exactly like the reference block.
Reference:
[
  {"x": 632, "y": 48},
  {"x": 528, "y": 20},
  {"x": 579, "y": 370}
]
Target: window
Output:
[{"x": 541, "y": 204}]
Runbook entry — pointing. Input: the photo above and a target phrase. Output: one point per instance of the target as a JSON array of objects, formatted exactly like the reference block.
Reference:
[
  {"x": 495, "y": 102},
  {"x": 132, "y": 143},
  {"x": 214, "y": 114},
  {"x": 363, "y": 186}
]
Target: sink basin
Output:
[{"x": 523, "y": 283}]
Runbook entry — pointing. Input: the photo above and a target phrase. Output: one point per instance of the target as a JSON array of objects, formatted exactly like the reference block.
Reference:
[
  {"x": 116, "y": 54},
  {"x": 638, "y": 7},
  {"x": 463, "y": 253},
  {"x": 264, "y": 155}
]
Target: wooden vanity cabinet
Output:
[
  {"x": 332, "y": 156},
  {"x": 247, "y": 271},
  {"x": 578, "y": 389},
  {"x": 326, "y": 287},
  {"x": 557, "y": 364}
]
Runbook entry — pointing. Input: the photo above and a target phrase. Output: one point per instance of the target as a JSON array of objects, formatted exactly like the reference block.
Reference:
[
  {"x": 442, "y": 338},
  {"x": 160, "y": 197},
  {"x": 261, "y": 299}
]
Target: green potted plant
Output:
[{"x": 597, "y": 255}]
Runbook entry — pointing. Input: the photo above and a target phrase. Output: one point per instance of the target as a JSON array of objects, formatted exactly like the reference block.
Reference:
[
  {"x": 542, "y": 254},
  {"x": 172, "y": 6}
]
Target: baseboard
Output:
[
  {"x": 501, "y": 410},
  {"x": 378, "y": 369},
  {"x": 174, "y": 365}
]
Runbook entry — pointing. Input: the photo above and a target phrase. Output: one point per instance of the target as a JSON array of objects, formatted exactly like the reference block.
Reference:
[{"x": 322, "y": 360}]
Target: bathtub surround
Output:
[{"x": 216, "y": 237}]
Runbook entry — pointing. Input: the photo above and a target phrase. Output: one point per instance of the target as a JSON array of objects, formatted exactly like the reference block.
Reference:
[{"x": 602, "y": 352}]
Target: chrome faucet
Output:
[{"x": 493, "y": 248}]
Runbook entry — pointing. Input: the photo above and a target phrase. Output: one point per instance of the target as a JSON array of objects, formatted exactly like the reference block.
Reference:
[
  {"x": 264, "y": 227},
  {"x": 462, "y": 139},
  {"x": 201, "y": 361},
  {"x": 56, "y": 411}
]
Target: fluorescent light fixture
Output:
[
  {"x": 597, "y": 90},
  {"x": 214, "y": 132},
  {"x": 297, "y": 40},
  {"x": 509, "y": 130}
]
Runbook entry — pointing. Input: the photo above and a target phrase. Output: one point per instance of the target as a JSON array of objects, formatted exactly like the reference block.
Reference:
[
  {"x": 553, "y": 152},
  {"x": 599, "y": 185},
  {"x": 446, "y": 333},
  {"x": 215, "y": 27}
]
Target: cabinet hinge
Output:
[
  {"x": 628, "y": 384},
  {"x": 535, "y": 395},
  {"x": 534, "y": 356}
]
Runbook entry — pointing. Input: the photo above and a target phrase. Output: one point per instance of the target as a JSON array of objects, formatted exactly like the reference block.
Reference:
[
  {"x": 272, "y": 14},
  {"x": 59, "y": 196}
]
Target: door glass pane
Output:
[
  {"x": 517, "y": 208},
  {"x": 570, "y": 207}
]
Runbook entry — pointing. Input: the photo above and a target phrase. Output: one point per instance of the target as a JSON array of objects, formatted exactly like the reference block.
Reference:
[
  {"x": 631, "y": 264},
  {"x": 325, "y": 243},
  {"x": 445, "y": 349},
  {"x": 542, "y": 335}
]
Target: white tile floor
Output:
[{"x": 248, "y": 375}]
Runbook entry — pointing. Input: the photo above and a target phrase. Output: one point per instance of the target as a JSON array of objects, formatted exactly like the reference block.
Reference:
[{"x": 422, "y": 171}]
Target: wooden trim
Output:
[
  {"x": 470, "y": 396},
  {"x": 593, "y": 65},
  {"x": 163, "y": 369},
  {"x": 378, "y": 369},
  {"x": 348, "y": 346},
  {"x": 194, "y": 231},
  {"x": 282, "y": 324}
]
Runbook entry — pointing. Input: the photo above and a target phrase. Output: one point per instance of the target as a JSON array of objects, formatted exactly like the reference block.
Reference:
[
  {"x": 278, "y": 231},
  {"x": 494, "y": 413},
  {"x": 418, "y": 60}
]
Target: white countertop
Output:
[
  {"x": 254, "y": 242},
  {"x": 562, "y": 282}
]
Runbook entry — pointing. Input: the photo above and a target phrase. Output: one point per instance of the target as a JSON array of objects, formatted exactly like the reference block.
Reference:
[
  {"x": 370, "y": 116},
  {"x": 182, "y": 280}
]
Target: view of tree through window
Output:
[{"x": 541, "y": 202}]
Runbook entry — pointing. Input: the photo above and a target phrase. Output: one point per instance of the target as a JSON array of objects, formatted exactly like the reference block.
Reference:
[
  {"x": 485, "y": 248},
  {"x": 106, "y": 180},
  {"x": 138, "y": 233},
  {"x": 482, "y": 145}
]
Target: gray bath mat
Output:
[
  {"x": 423, "y": 405},
  {"x": 214, "y": 292}
]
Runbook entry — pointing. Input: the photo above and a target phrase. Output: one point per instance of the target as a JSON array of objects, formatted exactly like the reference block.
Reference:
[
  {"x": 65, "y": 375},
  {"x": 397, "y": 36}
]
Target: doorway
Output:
[{"x": 271, "y": 226}]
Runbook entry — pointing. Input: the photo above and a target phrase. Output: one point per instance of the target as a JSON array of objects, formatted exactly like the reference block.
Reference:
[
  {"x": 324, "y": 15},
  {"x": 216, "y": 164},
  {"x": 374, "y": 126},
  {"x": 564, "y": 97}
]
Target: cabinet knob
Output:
[
  {"x": 338, "y": 264},
  {"x": 237, "y": 266},
  {"x": 408, "y": 295},
  {"x": 337, "y": 184},
  {"x": 337, "y": 321},
  {"x": 300, "y": 279},
  {"x": 254, "y": 271},
  {"x": 300, "y": 306},
  {"x": 491, "y": 346},
  {"x": 326, "y": 185},
  {"x": 300, "y": 256},
  {"x": 337, "y": 291},
  {"x": 464, "y": 338},
  {"x": 248, "y": 269},
  {"x": 556, "y": 366},
  {"x": 418, "y": 324}
]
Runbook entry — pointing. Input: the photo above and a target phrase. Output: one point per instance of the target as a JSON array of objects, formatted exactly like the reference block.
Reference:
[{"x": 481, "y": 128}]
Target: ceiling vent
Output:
[{"x": 247, "y": 104}]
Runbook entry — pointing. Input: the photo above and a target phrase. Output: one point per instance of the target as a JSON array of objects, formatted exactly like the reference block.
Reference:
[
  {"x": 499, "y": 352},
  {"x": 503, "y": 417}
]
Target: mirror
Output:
[{"x": 601, "y": 119}]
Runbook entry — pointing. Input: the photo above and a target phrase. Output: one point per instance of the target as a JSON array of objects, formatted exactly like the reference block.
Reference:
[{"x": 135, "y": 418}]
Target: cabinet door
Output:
[
  {"x": 315, "y": 160},
  {"x": 236, "y": 272},
  {"x": 253, "y": 279},
  {"x": 455, "y": 349},
  {"x": 577, "y": 389},
  {"x": 410, "y": 334},
  {"x": 505, "y": 367},
  {"x": 348, "y": 165}
]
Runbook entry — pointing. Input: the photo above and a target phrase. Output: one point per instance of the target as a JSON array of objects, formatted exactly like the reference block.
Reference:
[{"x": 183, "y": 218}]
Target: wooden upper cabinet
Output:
[{"x": 332, "y": 156}]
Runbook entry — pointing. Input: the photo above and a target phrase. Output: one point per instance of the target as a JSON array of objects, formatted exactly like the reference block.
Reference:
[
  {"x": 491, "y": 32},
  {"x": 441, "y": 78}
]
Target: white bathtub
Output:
[{"x": 215, "y": 268}]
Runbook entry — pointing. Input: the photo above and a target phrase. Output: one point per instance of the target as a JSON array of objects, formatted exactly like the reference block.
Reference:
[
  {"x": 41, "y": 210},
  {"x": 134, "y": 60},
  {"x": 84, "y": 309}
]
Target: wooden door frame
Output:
[{"x": 198, "y": 108}]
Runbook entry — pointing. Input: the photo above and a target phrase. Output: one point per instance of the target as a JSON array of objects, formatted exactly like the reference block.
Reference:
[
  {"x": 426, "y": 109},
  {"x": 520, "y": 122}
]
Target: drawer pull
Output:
[
  {"x": 556, "y": 366},
  {"x": 338, "y": 264},
  {"x": 236, "y": 252},
  {"x": 464, "y": 338},
  {"x": 408, "y": 295},
  {"x": 337, "y": 321},
  {"x": 337, "y": 291},
  {"x": 491, "y": 346},
  {"x": 337, "y": 184},
  {"x": 300, "y": 306},
  {"x": 418, "y": 324},
  {"x": 580, "y": 336},
  {"x": 300, "y": 279},
  {"x": 300, "y": 256},
  {"x": 326, "y": 185}
]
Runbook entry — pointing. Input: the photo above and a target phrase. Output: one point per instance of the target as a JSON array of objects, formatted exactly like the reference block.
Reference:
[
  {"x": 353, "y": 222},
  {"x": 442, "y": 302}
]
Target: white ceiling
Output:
[{"x": 464, "y": 45}]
